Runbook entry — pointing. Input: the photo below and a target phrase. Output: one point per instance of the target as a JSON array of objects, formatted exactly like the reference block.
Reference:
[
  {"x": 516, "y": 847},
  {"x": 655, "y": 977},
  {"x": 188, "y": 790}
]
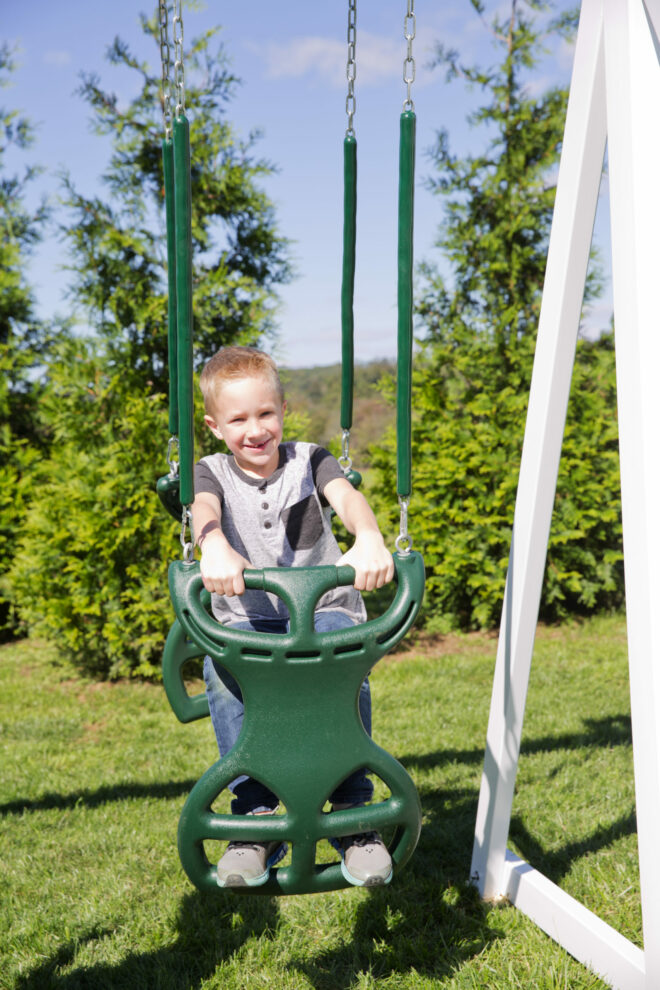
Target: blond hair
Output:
[{"x": 231, "y": 364}]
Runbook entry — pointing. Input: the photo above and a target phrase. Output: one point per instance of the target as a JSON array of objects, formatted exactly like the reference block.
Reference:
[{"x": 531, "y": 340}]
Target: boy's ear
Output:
[{"x": 213, "y": 427}]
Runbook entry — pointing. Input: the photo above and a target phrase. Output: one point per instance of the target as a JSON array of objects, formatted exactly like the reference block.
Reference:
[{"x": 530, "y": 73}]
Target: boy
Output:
[{"x": 266, "y": 504}]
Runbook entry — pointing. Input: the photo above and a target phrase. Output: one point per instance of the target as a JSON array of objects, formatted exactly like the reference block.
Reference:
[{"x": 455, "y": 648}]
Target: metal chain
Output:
[
  {"x": 177, "y": 34},
  {"x": 409, "y": 30},
  {"x": 351, "y": 66},
  {"x": 187, "y": 544},
  {"x": 172, "y": 454},
  {"x": 166, "y": 62},
  {"x": 403, "y": 541},
  {"x": 345, "y": 461}
]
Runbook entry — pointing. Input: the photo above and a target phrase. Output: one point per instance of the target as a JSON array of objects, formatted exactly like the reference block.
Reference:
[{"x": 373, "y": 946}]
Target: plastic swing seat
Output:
[{"x": 301, "y": 734}]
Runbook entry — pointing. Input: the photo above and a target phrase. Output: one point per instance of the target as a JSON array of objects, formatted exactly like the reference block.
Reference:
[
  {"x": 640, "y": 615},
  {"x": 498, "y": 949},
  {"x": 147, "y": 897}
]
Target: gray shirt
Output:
[{"x": 280, "y": 521}]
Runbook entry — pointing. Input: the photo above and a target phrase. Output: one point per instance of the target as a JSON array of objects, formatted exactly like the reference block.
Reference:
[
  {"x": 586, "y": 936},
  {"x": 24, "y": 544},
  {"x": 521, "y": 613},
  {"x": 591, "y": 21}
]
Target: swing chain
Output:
[
  {"x": 403, "y": 542},
  {"x": 409, "y": 31},
  {"x": 172, "y": 453},
  {"x": 351, "y": 67},
  {"x": 345, "y": 461},
  {"x": 187, "y": 544},
  {"x": 165, "y": 61},
  {"x": 177, "y": 33}
]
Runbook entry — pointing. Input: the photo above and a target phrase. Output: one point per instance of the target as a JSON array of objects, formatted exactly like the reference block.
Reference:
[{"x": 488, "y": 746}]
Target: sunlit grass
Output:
[{"x": 92, "y": 894}]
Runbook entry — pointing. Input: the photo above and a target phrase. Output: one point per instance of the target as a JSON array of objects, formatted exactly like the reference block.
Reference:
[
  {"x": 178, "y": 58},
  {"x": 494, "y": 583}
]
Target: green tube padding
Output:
[
  {"x": 168, "y": 181},
  {"x": 405, "y": 302},
  {"x": 348, "y": 280},
  {"x": 184, "y": 314}
]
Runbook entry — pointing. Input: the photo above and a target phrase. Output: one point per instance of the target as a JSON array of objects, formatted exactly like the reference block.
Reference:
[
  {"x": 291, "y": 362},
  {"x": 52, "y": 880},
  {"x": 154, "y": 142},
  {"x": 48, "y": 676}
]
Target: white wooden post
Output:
[
  {"x": 633, "y": 102},
  {"x": 615, "y": 93}
]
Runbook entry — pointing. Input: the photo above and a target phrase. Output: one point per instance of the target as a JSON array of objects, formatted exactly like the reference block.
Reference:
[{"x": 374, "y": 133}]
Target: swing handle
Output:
[
  {"x": 314, "y": 579},
  {"x": 300, "y": 589}
]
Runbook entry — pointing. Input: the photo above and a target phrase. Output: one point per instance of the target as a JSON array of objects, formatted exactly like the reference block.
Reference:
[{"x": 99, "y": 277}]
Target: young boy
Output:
[{"x": 266, "y": 504}]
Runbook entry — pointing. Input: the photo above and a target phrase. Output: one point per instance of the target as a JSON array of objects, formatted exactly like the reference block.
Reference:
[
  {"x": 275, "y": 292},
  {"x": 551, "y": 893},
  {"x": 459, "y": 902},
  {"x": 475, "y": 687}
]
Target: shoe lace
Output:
[
  {"x": 362, "y": 839},
  {"x": 239, "y": 844}
]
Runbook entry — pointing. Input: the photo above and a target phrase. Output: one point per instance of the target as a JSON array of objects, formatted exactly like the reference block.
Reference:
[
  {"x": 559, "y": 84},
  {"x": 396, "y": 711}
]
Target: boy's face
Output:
[{"x": 248, "y": 416}]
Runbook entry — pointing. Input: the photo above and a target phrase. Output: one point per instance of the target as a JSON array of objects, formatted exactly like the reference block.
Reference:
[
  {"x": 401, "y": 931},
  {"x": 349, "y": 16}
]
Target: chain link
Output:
[
  {"x": 345, "y": 461},
  {"x": 188, "y": 545},
  {"x": 403, "y": 542},
  {"x": 166, "y": 63},
  {"x": 351, "y": 66},
  {"x": 177, "y": 34},
  {"x": 172, "y": 454},
  {"x": 409, "y": 30}
]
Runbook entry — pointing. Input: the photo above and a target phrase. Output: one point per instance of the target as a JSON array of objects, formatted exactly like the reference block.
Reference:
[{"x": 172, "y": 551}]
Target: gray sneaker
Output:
[
  {"x": 247, "y": 864},
  {"x": 365, "y": 861}
]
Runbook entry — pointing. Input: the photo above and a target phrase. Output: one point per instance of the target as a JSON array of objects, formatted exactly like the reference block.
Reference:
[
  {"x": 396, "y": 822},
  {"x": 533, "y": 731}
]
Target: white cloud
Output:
[
  {"x": 377, "y": 58},
  {"x": 57, "y": 58}
]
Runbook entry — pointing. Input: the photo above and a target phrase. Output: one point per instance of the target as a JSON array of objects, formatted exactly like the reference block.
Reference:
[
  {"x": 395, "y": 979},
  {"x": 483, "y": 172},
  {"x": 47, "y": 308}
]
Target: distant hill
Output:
[{"x": 317, "y": 392}]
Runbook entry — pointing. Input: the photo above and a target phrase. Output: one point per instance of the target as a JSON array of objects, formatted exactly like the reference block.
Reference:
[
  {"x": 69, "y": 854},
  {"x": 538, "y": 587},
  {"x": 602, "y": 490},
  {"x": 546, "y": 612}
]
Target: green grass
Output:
[{"x": 94, "y": 776}]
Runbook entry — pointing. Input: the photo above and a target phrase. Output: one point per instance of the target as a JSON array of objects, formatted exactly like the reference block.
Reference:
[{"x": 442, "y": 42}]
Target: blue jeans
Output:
[{"x": 226, "y": 708}]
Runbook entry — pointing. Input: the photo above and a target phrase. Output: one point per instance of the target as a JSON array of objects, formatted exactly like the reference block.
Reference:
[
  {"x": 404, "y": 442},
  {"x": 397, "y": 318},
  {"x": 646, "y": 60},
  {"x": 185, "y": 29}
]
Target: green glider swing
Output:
[{"x": 301, "y": 734}]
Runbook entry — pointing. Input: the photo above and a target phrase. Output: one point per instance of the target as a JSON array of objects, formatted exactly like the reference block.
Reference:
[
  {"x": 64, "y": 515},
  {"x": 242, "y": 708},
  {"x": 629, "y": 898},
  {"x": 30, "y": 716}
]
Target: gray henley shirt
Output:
[{"x": 280, "y": 521}]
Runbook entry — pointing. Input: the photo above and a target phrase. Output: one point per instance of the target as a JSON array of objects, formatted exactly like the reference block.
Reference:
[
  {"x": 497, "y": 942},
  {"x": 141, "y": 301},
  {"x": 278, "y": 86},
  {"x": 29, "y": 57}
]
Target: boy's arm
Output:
[
  {"x": 221, "y": 566},
  {"x": 369, "y": 556}
]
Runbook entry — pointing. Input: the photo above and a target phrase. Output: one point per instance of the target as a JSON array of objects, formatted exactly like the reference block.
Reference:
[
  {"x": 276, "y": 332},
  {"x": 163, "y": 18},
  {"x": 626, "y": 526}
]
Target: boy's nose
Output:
[{"x": 254, "y": 428}]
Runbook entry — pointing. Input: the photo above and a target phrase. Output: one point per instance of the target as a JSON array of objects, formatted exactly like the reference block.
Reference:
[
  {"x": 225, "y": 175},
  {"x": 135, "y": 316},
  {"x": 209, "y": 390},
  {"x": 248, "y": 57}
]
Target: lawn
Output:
[{"x": 92, "y": 894}]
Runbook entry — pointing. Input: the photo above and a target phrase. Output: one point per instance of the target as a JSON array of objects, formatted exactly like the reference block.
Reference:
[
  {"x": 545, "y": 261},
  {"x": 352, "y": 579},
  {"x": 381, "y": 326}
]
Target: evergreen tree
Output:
[
  {"x": 92, "y": 567},
  {"x": 118, "y": 244},
  {"x": 21, "y": 338},
  {"x": 473, "y": 376}
]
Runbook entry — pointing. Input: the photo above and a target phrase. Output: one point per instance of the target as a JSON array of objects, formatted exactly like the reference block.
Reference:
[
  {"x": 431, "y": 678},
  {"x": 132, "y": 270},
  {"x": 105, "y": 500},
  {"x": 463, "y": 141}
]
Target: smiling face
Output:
[{"x": 248, "y": 415}]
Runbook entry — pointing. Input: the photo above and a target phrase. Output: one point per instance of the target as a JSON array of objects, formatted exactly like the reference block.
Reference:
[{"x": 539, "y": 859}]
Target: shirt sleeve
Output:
[
  {"x": 325, "y": 468},
  {"x": 206, "y": 481}
]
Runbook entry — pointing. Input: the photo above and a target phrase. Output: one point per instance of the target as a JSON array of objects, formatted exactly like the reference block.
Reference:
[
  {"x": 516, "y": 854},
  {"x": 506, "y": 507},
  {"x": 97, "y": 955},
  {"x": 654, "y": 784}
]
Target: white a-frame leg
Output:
[{"x": 614, "y": 97}]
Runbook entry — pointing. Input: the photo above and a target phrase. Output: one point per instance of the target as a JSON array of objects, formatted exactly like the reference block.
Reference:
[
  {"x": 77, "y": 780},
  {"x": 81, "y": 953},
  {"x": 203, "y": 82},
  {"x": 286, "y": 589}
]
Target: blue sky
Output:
[{"x": 291, "y": 58}]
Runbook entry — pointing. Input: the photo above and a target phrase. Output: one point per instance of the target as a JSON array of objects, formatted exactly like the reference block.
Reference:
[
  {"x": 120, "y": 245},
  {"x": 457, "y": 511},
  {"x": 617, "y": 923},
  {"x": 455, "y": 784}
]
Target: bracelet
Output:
[{"x": 211, "y": 525}]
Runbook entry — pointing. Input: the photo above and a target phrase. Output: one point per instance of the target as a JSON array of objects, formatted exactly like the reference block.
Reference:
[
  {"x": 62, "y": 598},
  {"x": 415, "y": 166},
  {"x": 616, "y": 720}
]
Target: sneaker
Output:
[
  {"x": 247, "y": 864},
  {"x": 365, "y": 861}
]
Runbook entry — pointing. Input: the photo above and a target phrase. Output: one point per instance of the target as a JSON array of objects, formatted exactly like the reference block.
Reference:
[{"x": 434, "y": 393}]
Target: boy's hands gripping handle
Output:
[
  {"x": 197, "y": 632},
  {"x": 300, "y": 588}
]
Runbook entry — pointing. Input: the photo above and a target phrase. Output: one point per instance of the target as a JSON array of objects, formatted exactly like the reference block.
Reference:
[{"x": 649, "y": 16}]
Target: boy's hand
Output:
[
  {"x": 222, "y": 567},
  {"x": 372, "y": 561}
]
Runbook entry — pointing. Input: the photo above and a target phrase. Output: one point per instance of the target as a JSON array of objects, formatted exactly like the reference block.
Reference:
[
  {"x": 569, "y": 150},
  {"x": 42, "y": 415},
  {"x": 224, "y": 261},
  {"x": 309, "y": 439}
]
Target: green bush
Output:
[
  {"x": 91, "y": 570},
  {"x": 478, "y": 328},
  {"x": 467, "y": 441}
]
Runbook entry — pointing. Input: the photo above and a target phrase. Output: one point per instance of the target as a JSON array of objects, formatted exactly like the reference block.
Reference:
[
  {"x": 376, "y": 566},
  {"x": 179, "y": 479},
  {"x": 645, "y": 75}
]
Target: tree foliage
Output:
[
  {"x": 20, "y": 340},
  {"x": 118, "y": 243},
  {"x": 91, "y": 571},
  {"x": 479, "y": 331}
]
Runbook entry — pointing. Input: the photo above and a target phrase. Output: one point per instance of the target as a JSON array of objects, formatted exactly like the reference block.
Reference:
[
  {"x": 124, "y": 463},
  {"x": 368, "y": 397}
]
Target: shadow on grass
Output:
[
  {"x": 429, "y": 921},
  {"x": 556, "y": 864},
  {"x": 606, "y": 732},
  {"x": 209, "y": 931},
  {"x": 424, "y": 921},
  {"x": 613, "y": 730},
  {"x": 103, "y": 795}
]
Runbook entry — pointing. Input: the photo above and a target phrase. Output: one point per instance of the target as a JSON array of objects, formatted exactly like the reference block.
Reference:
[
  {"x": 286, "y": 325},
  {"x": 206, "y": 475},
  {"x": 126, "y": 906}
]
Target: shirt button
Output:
[
  {"x": 264, "y": 505},
  {"x": 267, "y": 525}
]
